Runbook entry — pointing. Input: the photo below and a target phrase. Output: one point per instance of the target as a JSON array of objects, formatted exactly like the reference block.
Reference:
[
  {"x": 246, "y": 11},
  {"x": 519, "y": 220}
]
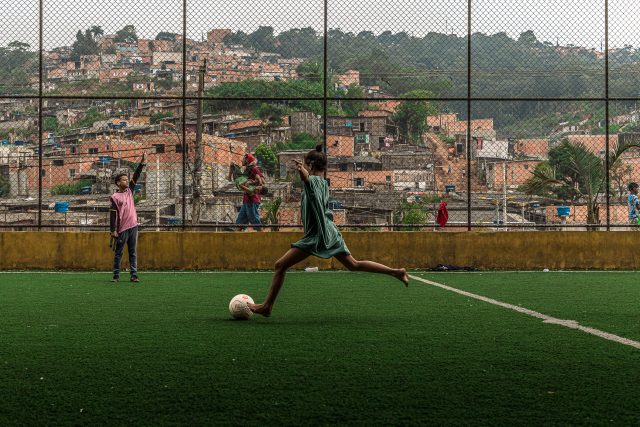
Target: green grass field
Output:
[{"x": 340, "y": 349}]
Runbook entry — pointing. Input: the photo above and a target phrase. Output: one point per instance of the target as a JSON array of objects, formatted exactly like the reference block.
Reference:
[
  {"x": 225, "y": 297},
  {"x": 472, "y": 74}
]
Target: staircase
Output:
[{"x": 452, "y": 171}]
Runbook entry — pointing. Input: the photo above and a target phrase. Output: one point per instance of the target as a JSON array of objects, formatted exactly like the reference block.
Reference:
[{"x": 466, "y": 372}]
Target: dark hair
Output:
[
  {"x": 317, "y": 159},
  {"x": 118, "y": 176},
  {"x": 632, "y": 186}
]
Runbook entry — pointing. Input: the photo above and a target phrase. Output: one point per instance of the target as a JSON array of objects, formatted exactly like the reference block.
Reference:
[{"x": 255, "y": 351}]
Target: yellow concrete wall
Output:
[{"x": 259, "y": 251}]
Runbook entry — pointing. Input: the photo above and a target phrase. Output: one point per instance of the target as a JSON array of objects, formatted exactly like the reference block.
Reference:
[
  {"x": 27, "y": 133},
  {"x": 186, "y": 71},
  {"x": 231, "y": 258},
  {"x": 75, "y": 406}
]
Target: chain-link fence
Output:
[{"x": 517, "y": 114}]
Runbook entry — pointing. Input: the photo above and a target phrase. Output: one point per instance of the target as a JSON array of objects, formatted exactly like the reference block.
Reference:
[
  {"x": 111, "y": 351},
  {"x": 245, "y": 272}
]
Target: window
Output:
[
  {"x": 388, "y": 178},
  {"x": 93, "y": 151},
  {"x": 179, "y": 148},
  {"x": 72, "y": 173},
  {"x": 358, "y": 182},
  {"x": 343, "y": 167},
  {"x": 43, "y": 173},
  {"x": 73, "y": 150},
  {"x": 526, "y": 167},
  {"x": 58, "y": 162},
  {"x": 158, "y": 148}
]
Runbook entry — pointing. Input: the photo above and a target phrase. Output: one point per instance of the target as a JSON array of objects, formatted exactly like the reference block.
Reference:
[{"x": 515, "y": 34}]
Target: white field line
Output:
[{"x": 571, "y": 324}]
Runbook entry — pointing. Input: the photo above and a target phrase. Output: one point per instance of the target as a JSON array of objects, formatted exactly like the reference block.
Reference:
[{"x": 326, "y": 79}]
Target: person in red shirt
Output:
[{"x": 251, "y": 201}]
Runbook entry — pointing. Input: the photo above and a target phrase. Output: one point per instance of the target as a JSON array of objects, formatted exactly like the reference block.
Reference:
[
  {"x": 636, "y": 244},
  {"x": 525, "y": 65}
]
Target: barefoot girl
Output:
[{"x": 321, "y": 236}]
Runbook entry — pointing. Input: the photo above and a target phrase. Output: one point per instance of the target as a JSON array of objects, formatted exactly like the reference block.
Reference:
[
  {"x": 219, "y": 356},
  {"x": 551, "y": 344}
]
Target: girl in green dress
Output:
[{"x": 321, "y": 236}]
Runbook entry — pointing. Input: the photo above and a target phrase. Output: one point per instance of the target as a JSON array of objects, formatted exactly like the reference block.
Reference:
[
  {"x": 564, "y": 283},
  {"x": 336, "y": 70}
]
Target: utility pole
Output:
[
  {"x": 197, "y": 169},
  {"x": 157, "y": 192},
  {"x": 504, "y": 194}
]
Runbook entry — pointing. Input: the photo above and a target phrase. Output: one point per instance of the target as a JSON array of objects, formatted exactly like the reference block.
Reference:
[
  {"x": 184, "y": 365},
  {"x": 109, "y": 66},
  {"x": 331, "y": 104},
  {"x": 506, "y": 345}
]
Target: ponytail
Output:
[{"x": 317, "y": 158}]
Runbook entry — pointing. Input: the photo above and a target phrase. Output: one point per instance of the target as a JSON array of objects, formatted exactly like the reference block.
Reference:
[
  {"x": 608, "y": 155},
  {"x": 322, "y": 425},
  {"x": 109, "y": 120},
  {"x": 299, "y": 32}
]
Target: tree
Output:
[
  {"x": 165, "y": 36},
  {"x": 412, "y": 214},
  {"x": 352, "y": 108},
  {"x": 97, "y": 31},
  {"x": 267, "y": 158},
  {"x": 262, "y": 39},
  {"x": 50, "y": 124},
  {"x": 18, "y": 45},
  {"x": 528, "y": 38},
  {"x": 311, "y": 70},
  {"x": 411, "y": 116},
  {"x": 126, "y": 35},
  {"x": 573, "y": 173},
  {"x": 85, "y": 44},
  {"x": 240, "y": 38},
  {"x": 298, "y": 43},
  {"x": 271, "y": 114}
]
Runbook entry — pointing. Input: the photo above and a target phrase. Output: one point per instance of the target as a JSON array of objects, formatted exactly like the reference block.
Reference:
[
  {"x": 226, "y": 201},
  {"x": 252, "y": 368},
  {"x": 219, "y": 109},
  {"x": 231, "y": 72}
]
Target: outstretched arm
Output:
[
  {"x": 136, "y": 174},
  {"x": 304, "y": 173}
]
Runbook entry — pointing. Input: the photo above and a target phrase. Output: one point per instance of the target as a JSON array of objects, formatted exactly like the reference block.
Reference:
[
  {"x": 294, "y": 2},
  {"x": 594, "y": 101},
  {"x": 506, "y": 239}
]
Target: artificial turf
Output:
[{"x": 340, "y": 349}]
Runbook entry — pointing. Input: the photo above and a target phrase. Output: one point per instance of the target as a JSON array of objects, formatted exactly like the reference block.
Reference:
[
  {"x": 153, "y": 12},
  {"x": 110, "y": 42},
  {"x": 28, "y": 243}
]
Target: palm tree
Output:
[
  {"x": 574, "y": 173},
  {"x": 97, "y": 31}
]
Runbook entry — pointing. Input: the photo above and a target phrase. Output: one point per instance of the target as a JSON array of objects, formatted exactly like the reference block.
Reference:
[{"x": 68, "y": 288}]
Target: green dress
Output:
[{"x": 321, "y": 236}]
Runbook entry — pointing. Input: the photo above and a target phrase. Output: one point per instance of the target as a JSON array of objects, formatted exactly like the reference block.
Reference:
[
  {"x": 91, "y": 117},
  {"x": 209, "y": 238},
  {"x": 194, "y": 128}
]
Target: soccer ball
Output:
[{"x": 238, "y": 306}]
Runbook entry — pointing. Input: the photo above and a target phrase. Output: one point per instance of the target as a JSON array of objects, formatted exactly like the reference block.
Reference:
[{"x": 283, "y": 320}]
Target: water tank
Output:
[
  {"x": 174, "y": 221},
  {"x": 564, "y": 210},
  {"x": 61, "y": 207}
]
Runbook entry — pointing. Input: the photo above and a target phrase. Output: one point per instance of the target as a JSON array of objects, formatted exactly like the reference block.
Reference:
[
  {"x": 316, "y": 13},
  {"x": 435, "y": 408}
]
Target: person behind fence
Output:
[
  {"x": 321, "y": 236},
  {"x": 123, "y": 221},
  {"x": 242, "y": 181},
  {"x": 252, "y": 186},
  {"x": 633, "y": 203}
]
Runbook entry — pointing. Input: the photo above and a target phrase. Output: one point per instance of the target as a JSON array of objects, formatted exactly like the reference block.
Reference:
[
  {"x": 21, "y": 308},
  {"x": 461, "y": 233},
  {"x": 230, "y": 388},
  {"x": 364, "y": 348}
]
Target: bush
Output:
[{"x": 71, "y": 188}]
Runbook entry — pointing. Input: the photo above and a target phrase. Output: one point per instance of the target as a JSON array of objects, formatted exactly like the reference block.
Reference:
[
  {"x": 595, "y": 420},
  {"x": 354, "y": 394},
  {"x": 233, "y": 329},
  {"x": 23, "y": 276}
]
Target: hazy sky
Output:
[{"x": 580, "y": 22}]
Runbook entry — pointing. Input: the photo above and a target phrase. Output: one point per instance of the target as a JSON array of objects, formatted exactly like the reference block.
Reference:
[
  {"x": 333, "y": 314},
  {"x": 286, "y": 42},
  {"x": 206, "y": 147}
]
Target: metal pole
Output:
[
  {"x": 504, "y": 193},
  {"x": 326, "y": 75},
  {"x": 469, "y": 115},
  {"x": 40, "y": 105},
  {"x": 184, "y": 113},
  {"x": 606, "y": 113},
  {"x": 157, "y": 192},
  {"x": 197, "y": 168}
]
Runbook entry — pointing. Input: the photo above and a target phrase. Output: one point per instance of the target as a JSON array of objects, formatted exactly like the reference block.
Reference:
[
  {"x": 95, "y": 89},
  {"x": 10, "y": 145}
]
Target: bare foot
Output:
[
  {"x": 401, "y": 274},
  {"x": 260, "y": 309}
]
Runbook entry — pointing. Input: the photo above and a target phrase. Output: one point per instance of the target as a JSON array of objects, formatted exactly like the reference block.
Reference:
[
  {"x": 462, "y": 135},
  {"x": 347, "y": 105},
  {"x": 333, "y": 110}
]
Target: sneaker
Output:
[
  {"x": 135, "y": 279},
  {"x": 115, "y": 279}
]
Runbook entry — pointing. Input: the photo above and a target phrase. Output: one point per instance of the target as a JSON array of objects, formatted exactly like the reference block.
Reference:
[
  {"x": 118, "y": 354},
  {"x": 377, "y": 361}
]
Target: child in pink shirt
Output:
[{"x": 124, "y": 221}]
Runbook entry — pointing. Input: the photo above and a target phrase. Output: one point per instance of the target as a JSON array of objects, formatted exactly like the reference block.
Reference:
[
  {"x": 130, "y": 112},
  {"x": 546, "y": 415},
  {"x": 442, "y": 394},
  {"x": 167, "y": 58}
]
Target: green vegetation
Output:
[
  {"x": 70, "y": 188},
  {"x": 411, "y": 115},
  {"x": 50, "y": 124},
  {"x": 17, "y": 64},
  {"x": 86, "y": 42},
  {"x": 414, "y": 213},
  {"x": 157, "y": 117},
  {"x": 267, "y": 158},
  {"x": 126, "y": 35},
  {"x": 270, "y": 211},
  {"x": 574, "y": 173},
  {"x": 302, "y": 141},
  {"x": 92, "y": 116}
]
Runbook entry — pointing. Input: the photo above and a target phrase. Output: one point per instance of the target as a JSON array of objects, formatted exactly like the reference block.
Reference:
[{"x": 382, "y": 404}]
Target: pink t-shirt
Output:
[{"x": 127, "y": 216}]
